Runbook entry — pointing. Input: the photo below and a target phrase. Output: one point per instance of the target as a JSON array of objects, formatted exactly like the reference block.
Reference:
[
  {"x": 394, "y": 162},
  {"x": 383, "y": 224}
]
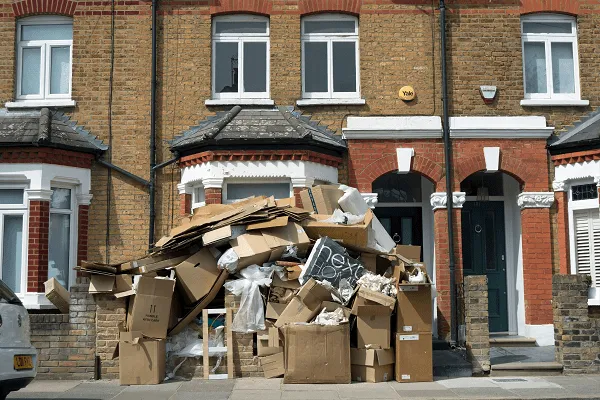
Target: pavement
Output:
[
  {"x": 502, "y": 355},
  {"x": 551, "y": 387}
]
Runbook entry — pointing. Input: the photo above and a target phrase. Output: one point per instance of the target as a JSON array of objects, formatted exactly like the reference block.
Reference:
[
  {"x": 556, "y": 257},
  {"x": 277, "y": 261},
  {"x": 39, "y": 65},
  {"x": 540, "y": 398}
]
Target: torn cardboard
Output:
[
  {"x": 273, "y": 365},
  {"x": 150, "y": 309},
  {"x": 317, "y": 354},
  {"x": 292, "y": 234},
  {"x": 305, "y": 305},
  {"x": 251, "y": 248},
  {"x": 322, "y": 199},
  {"x": 57, "y": 294},
  {"x": 372, "y": 365},
  {"x": 414, "y": 358}
]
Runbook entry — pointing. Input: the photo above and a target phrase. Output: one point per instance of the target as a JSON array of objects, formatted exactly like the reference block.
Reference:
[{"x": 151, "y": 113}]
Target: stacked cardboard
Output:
[{"x": 315, "y": 304}]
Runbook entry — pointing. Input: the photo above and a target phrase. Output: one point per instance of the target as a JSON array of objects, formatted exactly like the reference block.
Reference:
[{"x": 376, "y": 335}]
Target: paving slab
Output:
[
  {"x": 427, "y": 394},
  {"x": 201, "y": 385},
  {"x": 543, "y": 393},
  {"x": 141, "y": 395},
  {"x": 416, "y": 386},
  {"x": 367, "y": 391},
  {"x": 32, "y": 395},
  {"x": 465, "y": 383},
  {"x": 255, "y": 395},
  {"x": 308, "y": 387},
  {"x": 312, "y": 395},
  {"x": 163, "y": 387},
  {"x": 523, "y": 383},
  {"x": 43, "y": 386},
  {"x": 258, "y": 384},
  {"x": 483, "y": 393},
  {"x": 200, "y": 396}
]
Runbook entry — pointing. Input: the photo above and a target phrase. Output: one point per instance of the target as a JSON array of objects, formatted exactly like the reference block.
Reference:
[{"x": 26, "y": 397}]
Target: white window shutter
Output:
[{"x": 587, "y": 243}]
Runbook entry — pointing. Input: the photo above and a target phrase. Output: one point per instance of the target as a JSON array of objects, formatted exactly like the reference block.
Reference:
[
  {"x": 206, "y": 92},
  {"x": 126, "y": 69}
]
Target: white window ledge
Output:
[
  {"x": 239, "y": 102},
  {"x": 330, "y": 102},
  {"x": 36, "y": 301},
  {"x": 548, "y": 102},
  {"x": 593, "y": 302},
  {"x": 40, "y": 103}
]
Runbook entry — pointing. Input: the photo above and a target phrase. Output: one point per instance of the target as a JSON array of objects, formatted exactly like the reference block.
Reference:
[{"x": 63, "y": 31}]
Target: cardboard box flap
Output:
[
  {"x": 250, "y": 244},
  {"x": 313, "y": 294},
  {"x": 385, "y": 357},
  {"x": 372, "y": 357},
  {"x": 101, "y": 284},
  {"x": 273, "y": 223},
  {"x": 132, "y": 337},
  {"x": 156, "y": 287},
  {"x": 373, "y": 310},
  {"x": 412, "y": 253},
  {"x": 377, "y": 297}
]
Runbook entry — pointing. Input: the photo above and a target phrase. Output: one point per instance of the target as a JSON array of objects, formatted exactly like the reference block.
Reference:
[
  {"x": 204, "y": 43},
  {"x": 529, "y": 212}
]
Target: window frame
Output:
[
  {"x": 226, "y": 182},
  {"x": 17, "y": 209},
  {"x": 240, "y": 39},
  {"x": 197, "y": 200},
  {"x": 73, "y": 227},
  {"x": 329, "y": 38},
  {"x": 547, "y": 39},
  {"x": 45, "y": 61}
]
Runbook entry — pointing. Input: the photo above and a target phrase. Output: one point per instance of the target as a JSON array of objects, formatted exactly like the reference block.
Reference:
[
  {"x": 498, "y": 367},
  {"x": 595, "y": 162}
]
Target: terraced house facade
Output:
[{"x": 272, "y": 97}]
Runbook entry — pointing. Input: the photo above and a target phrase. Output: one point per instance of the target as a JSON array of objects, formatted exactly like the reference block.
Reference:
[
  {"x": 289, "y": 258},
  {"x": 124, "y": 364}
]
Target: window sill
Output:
[
  {"x": 548, "y": 102},
  {"x": 35, "y": 301},
  {"x": 330, "y": 102},
  {"x": 239, "y": 102},
  {"x": 40, "y": 103}
]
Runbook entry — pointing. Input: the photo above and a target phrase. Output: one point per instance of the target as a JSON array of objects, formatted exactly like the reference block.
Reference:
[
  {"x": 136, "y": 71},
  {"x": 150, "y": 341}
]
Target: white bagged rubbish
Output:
[
  {"x": 330, "y": 318},
  {"x": 228, "y": 261},
  {"x": 417, "y": 275},
  {"x": 378, "y": 283},
  {"x": 251, "y": 314},
  {"x": 344, "y": 218}
]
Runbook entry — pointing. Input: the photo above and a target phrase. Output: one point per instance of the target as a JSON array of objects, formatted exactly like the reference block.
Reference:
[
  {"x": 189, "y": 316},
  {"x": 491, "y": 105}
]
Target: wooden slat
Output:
[
  {"x": 228, "y": 323},
  {"x": 205, "y": 357}
]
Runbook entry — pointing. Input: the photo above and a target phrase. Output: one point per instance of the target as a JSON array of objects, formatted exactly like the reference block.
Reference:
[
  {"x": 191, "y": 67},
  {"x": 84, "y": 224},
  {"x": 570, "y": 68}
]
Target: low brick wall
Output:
[
  {"x": 576, "y": 326},
  {"x": 66, "y": 343},
  {"x": 477, "y": 333}
]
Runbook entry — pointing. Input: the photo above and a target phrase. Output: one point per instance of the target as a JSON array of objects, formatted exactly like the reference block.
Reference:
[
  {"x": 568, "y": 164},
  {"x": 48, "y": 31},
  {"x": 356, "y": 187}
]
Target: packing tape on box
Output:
[{"x": 312, "y": 200}]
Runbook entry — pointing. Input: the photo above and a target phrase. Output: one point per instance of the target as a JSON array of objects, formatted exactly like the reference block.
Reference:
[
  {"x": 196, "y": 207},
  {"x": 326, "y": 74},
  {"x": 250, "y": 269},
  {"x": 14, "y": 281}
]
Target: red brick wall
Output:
[
  {"x": 44, "y": 155},
  {"x": 82, "y": 232},
  {"x": 297, "y": 191},
  {"x": 185, "y": 204},
  {"x": 562, "y": 231},
  {"x": 212, "y": 196},
  {"x": 39, "y": 225},
  {"x": 537, "y": 265}
]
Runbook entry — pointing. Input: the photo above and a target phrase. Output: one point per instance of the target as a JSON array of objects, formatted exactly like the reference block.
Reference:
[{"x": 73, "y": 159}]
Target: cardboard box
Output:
[
  {"x": 57, "y": 294},
  {"x": 372, "y": 297},
  {"x": 414, "y": 312},
  {"x": 331, "y": 306},
  {"x": 372, "y": 365},
  {"x": 274, "y": 310},
  {"x": 101, "y": 284},
  {"x": 141, "y": 360},
  {"x": 196, "y": 275},
  {"x": 273, "y": 365},
  {"x": 412, "y": 253},
  {"x": 322, "y": 199},
  {"x": 317, "y": 354},
  {"x": 290, "y": 234},
  {"x": 414, "y": 358},
  {"x": 359, "y": 235},
  {"x": 251, "y": 248},
  {"x": 373, "y": 326},
  {"x": 305, "y": 305},
  {"x": 150, "y": 309},
  {"x": 268, "y": 344}
]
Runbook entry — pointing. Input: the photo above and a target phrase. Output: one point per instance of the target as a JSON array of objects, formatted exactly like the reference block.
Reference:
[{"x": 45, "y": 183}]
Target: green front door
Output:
[{"x": 484, "y": 253}]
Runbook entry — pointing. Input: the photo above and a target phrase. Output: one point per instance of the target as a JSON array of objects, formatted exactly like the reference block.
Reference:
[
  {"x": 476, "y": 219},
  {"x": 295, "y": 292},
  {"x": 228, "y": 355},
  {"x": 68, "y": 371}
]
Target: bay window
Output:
[
  {"x": 13, "y": 211},
  {"x": 60, "y": 235},
  {"x": 585, "y": 230}
]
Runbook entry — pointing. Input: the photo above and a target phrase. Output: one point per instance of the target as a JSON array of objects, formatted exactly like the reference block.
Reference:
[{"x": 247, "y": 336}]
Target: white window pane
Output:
[
  {"x": 30, "y": 70},
  {"x": 47, "y": 32},
  {"x": 547, "y": 27},
  {"x": 58, "y": 248},
  {"x": 12, "y": 251},
  {"x": 198, "y": 195},
  {"x": 11, "y": 196},
  {"x": 255, "y": 67},
  {"x": 406, "y": 227},
  {"x": 329, "y": 26},
  {"x": 241, "y": 27},
  {"x": 226, "y": 67},
  {"x": 535, "y": 68},
  {"x": 563, "y": 68},
  {"x": 60, "y": 69},
  {"x": 238, "y": 191},
  {"x": 344, "y": 67},
  {"x": 61, "y": 198},
  {"x": 315, "y": 67}
]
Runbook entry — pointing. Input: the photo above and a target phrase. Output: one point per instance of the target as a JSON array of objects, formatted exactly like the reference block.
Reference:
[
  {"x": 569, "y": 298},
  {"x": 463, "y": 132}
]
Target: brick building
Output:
[{"x": 519, "y": 72}]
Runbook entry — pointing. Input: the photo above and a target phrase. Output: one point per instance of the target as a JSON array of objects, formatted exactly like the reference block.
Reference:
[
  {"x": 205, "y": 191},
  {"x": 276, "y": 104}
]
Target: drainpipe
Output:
[
  {"x": 448, "y": 162},
  {"x": 152, "y": 186}
]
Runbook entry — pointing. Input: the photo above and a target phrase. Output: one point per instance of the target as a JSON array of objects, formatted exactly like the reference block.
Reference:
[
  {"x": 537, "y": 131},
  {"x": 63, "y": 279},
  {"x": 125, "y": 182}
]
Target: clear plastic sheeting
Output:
[
  {"x": 330, "y": 318},
  {"x": 344, "y": 218},
  {"x": 228, "y": 261},
  {"x": 417, "y": 275},
  {"x": 378, "y": 283},
  {"x": 251, "y": 315},
  {"x": 187, "y": 344}
]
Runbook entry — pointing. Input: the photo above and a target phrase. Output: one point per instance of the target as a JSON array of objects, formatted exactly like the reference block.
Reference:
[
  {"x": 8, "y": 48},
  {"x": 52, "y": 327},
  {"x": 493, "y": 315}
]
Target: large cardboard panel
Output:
[
  {"x": 273, "y": 365},
  {"x": 414, "y": 358},
  {"x": 317, "y": 354},
  {"x": 290, "y": 234},
  {"x": 305, "y": 305},
  {"x": 412, "y": 253},
  {"x": 373, "y": 326},
  {"x": 141, "y": 361},
  {"x": 57, "y": 294},
  {"x": 359, "y": 235},
  {"x": 414, "y": 312},
  {"x": 196, "y": 275},
  {"x": 379, "y": 373},
  {"x": 149, "y": 311},
  {"x": 251, "y": 248},
  {"x": 322, "y": 199},
  {"x": 193, "y": 313}
]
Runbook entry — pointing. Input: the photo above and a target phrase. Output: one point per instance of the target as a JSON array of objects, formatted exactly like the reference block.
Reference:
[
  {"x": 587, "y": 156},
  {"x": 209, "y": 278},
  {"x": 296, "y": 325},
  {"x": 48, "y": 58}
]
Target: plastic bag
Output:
[
  {"x": 342, "y": 218},
  {"x": 417, "y": 276},
  {"x": 228, "y": 261},
  {"x": 251, "y": 314},
  {"x": 330, "y": 318},
  {"x": 378, "y": 283}
]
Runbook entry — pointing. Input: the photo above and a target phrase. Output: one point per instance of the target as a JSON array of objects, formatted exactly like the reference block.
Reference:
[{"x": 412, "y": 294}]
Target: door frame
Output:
[{"x": 512, "y": 239}]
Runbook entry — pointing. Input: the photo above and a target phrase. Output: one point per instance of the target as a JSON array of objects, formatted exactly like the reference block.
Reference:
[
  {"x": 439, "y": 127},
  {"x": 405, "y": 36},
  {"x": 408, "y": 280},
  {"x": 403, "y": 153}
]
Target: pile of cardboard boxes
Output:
[{"x": 316, "y": 257}]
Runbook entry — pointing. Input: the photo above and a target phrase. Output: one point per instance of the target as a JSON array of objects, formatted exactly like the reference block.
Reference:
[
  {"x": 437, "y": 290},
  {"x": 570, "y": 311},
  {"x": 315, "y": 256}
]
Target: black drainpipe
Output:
[
  {"x": 448, "y": 162},
  {"x": 152, "y": 186}
]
